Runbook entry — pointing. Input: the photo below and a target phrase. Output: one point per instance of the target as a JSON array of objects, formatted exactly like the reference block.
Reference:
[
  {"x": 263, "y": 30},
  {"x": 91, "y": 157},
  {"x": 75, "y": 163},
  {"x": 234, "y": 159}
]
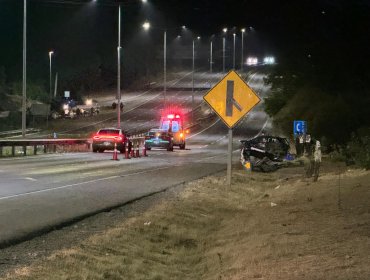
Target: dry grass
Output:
[{"x": 215, "y": 232}]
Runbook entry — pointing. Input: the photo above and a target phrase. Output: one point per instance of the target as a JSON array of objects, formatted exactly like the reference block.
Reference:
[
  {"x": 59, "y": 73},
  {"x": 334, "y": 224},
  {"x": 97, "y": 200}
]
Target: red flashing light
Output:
[
  {"x": 177, "y": 116},
  {"x": 170, "y": 116}
]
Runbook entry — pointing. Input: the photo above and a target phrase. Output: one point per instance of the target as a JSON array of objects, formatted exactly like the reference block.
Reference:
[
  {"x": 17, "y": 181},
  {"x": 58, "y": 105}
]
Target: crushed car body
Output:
[{"x": 265, "y": 153}]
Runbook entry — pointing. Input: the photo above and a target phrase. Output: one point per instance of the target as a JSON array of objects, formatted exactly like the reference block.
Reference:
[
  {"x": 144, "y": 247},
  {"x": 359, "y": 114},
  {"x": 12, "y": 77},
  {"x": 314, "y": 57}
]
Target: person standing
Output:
[{"x": 317, "y": 160}]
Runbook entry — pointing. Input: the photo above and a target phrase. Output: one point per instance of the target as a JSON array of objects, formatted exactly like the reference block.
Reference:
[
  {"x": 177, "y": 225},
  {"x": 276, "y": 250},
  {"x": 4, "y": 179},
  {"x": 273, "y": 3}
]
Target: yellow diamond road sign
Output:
[{"x": 231, "y": 99}]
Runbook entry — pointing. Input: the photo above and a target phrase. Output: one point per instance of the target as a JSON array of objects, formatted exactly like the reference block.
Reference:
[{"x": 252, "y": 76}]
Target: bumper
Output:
[
  {"x": 107, "y": 145},
  {"x": 157, "y": 144}
]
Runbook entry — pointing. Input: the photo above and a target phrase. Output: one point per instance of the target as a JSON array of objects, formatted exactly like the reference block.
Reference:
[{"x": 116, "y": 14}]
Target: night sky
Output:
[{"x": 84, "y": 34}]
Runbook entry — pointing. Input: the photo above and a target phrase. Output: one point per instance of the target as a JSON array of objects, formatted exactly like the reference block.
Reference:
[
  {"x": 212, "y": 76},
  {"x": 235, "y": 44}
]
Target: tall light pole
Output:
[
  {"x": 146, "y": 26},
  {"x": 211, "y": 57},
  {"x": 242, "y": 54},
  {"x": 223, "y": 49},
  {"x": 192, "y": 89},
  {"x": 164, "y": 66},
  {"x": 50, "y": 82},
  {"x": 24, "y": 89},
  {"x": 119, "y": 70},
  {"x": 234, "y": 35}
]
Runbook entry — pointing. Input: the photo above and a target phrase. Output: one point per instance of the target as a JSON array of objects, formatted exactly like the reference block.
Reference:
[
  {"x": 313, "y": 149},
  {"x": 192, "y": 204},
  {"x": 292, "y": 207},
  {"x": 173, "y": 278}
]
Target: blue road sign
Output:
[{"x": 299, "y": 127}]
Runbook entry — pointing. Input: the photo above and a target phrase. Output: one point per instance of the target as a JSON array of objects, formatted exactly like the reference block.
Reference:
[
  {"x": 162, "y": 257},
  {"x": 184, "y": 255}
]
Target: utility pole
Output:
[{"x": 24, "y": 88}]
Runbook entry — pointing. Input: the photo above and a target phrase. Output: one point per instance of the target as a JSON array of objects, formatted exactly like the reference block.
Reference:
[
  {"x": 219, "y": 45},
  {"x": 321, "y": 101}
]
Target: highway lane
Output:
[{"x": 39, "y": 192}]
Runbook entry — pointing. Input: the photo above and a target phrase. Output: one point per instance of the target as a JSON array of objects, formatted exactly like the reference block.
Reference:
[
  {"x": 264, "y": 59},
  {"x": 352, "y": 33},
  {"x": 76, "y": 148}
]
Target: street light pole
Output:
[
  {"x": 234, "y": 52},
  {"x": 50, "y": 82},
  {"x": 211, "y": 58},
  {"x": 192, "y": 89},
  {"x": 24, "y": 89},
  {"x": 242, "y": 62},
  {"x": 223, "y": 49},
  {"x": 223, "y": 53},
  {"x": 119, "y": 70},
  {"x": 164, "y": 66}
]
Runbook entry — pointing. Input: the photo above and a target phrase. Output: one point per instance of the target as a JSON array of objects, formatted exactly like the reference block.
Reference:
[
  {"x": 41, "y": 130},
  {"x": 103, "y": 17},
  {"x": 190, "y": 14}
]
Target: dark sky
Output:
[{"x": 83, "y": 33}]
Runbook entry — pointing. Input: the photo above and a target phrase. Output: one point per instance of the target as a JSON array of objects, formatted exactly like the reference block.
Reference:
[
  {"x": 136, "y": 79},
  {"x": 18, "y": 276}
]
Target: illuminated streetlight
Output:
[
  {"x": 241, "y": 66},
  {"x": 223, "y": 50},
  {"x": 146, "y": 25},
  {"x": 50, "y": 82},
  {"x": 192, "y": 89},
  {"x": 234, "y": 35}
]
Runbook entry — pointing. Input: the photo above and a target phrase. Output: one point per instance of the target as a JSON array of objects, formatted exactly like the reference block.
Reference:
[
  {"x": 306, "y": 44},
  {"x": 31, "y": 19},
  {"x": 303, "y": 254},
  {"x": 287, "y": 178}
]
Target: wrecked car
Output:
[{"x": 265, "y": 153}]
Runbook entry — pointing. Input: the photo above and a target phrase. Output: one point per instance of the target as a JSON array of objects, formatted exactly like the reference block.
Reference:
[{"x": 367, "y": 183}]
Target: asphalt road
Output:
[{"x": 39, "y": 193}]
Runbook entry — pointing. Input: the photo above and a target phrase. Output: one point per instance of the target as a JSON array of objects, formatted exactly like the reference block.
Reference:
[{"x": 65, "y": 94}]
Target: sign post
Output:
[{"x": 231, "y": 99}]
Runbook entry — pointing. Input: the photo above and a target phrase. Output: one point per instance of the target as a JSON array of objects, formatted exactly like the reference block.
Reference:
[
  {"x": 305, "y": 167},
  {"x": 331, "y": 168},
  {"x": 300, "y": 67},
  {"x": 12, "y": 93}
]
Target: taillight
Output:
[
  {"x": 96, "y": 137},
  {"x": 118, "y": 138}
]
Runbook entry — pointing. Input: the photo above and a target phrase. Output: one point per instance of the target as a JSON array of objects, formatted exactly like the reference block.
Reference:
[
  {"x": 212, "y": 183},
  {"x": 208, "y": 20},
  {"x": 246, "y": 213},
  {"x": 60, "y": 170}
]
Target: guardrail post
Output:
[
  {"x": 35, "y": 150},
  {"x": 24, "y": 150},
  {"x": 13, "y": 151},
  {"x": 1, "y": 151},
  {"x": 54, "y": 148},
  {"x": 45, "y": 148}
]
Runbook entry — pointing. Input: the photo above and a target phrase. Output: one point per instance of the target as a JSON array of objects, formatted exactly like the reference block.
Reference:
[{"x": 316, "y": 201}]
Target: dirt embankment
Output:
[{"x": 266, "y": 226}]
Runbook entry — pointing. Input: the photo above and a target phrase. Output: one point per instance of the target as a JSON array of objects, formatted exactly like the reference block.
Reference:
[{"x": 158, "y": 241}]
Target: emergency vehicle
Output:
[{"x": 174, "y": 123}]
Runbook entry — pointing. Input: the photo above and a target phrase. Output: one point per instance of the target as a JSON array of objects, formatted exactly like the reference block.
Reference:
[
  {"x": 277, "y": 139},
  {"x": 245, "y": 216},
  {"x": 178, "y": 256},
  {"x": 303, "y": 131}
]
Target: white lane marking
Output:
[
  {"x": 30, "y": 179},
  {"x": 191, "y": 136},
  {"x": 83, "y": 183}
]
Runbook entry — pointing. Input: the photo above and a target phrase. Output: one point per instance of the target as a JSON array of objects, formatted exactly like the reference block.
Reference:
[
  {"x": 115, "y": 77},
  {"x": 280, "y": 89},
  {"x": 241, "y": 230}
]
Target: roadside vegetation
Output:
[{"x": 265, "y": 226}]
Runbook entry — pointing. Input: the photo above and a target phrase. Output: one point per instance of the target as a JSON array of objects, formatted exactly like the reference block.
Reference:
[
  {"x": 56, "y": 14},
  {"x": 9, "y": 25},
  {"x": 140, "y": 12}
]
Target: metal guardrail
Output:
[
  {"x": 48, "y": 144},
  {"x": 17, "y": 132}
]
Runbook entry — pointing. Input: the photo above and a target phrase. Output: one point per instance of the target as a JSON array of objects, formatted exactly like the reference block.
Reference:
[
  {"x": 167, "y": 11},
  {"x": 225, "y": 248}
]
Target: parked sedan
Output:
[
  {"x": 106, "y": 138},
  {"x": 159, "y": 138}
]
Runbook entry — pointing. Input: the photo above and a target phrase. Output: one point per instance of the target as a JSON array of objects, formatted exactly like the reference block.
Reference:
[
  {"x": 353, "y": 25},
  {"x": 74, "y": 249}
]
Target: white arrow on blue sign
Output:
[{"x": 299, "y": 127}]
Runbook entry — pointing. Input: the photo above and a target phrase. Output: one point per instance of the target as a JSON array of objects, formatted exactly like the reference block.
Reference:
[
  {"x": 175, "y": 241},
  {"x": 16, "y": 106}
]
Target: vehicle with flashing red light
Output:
[
  {"x": 106, "y": 138},
  {"x": 159, "y": 138},
  {"x": 174, "y": 124}
]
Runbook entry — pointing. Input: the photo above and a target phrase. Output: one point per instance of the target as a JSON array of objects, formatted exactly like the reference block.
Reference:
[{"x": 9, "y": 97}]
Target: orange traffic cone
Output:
[{"x": 115, "y": 156}]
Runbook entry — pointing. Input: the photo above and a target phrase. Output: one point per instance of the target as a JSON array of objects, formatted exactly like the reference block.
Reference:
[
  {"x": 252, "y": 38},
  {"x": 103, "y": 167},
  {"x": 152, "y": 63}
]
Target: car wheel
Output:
[
  {"x": 182, "y": 146},
  {"x": 95, "y": 150},
  {"x": 101, "y": 150},
  {"x": 170, "y": 148}
]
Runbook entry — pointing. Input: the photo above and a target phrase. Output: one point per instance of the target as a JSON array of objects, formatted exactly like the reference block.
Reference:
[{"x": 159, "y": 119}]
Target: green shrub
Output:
[{"x": 358, "y": 149}]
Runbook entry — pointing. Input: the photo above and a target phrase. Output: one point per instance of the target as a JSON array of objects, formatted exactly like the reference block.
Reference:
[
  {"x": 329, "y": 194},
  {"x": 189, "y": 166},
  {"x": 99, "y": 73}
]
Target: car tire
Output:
[
  {"x": 182, "y": 146},
  {"x": 95, "y": 150},
  {"x": 170, "y": 148},
  {"x": 101, "y": 150}
]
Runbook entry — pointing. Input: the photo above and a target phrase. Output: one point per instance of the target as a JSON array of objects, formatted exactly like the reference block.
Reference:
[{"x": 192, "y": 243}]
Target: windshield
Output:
[{"x": 108, "y": 132}]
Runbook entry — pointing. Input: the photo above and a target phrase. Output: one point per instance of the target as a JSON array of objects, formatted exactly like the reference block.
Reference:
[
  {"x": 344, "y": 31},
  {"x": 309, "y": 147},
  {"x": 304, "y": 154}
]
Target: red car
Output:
[{"x": 106, "y": 138}]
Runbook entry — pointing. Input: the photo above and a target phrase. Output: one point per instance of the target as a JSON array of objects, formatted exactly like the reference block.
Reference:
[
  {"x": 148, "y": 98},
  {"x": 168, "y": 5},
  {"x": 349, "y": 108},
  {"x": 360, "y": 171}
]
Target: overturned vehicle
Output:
[{"x": 265, "y": 153}]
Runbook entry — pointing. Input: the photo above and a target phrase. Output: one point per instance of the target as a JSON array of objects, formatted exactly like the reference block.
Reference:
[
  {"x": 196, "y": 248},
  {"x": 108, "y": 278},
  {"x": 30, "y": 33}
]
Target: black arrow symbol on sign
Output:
[{"x": 230, "y": 101}]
